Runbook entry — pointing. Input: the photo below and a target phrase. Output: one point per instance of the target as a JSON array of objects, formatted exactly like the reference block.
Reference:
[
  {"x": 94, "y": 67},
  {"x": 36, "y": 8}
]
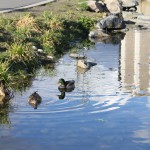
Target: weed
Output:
[
  {"x": 5, "y": 73},
  {"x": 20, "y": 53}
]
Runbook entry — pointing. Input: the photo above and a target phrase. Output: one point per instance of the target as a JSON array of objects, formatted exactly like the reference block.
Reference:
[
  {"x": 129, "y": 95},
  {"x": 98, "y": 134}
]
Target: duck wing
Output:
[{"x": 70, "y": 84}]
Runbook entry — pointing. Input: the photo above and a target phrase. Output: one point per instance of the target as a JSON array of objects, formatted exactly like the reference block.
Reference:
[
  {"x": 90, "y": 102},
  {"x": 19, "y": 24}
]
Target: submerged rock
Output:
[{"x": 98, "y": 34}]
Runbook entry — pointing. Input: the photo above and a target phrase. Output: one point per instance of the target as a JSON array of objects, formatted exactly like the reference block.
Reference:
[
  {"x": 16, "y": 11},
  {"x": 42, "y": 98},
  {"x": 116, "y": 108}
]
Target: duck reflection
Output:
[
  {"x": 62, "y": 95},
  {"x": 63, "y": 92}
]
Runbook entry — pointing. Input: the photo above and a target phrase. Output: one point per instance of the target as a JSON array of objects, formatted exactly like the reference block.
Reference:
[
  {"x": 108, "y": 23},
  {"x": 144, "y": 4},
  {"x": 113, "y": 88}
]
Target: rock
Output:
[
  {"x": 85, "y": 64},
  {"x": 40, "y": 50},
  {"x": 129, "y": 5},
  {"x": 113, "y": 6},
  {"x": 34, "y": 47},
  {"x": 111, "y": 22},
  {"x": 50, "y": 57},
  {"x": 96, "y": 6},
  {"x": 98, "y": 34},
  {"x": 81, "y": 64}
]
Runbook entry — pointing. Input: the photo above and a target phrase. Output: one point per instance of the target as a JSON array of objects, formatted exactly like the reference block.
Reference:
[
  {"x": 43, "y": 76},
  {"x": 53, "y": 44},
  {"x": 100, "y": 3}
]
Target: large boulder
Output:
[
  {"x": 113, "y": 6},
  {"x": 111, "y": 22},
  {"x": 96, "y": 6}
]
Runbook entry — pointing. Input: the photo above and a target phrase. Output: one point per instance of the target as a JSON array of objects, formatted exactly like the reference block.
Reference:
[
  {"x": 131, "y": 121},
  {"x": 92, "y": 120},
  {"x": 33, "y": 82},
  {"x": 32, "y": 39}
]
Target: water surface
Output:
[{"x": 108, "y": 109}]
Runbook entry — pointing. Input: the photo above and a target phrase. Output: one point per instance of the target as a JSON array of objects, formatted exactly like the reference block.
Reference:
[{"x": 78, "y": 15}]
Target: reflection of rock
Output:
[
  {"x": 96, "y": 6},
  {"x": 111, "y": 22},
  {"x": 111, "y": 39},
  {"x": 81, "y": 70}
]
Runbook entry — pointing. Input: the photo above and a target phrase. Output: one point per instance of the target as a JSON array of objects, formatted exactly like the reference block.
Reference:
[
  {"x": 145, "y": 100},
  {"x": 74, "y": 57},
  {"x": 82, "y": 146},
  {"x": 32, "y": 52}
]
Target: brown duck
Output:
[{"x": 34, "y": 99}]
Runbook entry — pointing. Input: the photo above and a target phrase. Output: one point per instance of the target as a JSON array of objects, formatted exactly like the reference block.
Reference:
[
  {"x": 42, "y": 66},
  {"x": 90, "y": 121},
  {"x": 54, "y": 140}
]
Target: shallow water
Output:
[{"x": 108, "y": 109}]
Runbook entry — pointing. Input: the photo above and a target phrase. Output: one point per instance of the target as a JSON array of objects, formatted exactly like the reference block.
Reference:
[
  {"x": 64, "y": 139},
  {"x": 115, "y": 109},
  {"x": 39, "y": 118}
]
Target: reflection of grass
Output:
[{"x": 4, "y": 119}]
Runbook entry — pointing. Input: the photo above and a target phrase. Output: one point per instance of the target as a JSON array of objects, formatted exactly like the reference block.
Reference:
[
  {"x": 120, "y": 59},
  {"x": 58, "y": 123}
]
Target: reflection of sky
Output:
[{"x": 142, "y": 135}]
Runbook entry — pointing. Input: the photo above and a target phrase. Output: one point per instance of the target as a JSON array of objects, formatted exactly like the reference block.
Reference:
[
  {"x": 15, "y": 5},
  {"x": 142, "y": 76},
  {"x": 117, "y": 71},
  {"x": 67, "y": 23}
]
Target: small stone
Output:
[
  {"x": 34, "y": 47},
  {"x": 50, "y": 57},
  {"x": 40, "y": 50}
]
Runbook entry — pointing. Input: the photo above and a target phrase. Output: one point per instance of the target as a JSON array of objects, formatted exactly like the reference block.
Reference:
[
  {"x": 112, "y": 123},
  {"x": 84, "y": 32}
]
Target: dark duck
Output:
[{"x": 66, "y": 86}]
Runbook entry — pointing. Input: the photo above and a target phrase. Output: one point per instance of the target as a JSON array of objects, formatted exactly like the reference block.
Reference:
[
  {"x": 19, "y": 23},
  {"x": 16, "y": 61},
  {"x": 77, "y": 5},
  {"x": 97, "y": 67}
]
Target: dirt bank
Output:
[{"x": 60, "y": 7}]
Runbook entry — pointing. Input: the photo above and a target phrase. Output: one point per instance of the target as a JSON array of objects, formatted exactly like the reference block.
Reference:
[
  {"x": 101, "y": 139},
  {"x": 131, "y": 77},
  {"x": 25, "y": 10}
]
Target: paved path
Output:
[{"x": 11, "y": 5}]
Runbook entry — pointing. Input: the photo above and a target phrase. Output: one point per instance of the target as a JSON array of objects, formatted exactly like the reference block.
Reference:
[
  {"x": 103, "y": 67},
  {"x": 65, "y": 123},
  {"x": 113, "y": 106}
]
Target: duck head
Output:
[{"x": 62, "y": 82}]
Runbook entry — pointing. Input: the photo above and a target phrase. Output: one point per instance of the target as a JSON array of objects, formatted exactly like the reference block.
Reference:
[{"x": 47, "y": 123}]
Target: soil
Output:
[{"x": 60, "y": 7}]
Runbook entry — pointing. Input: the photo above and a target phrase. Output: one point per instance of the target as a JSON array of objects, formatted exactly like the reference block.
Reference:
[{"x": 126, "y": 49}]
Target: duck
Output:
[
  {"x": 34, "y": 99},
  {"x": 66, "y": 86}
]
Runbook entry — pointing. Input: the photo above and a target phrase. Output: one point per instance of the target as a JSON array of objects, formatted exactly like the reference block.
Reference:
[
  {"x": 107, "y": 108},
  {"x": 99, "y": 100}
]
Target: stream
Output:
[{"x": 108, "y": 109}]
